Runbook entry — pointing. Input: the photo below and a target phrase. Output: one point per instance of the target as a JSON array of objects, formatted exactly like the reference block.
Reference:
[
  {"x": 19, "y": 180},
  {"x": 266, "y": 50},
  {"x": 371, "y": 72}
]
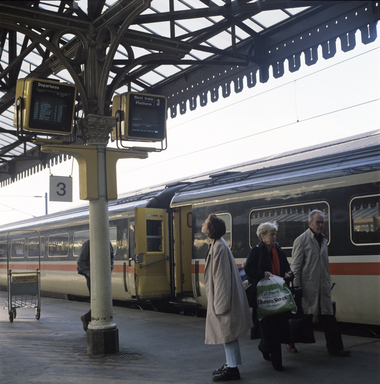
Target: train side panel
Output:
[{"x": 354, "y": 248}]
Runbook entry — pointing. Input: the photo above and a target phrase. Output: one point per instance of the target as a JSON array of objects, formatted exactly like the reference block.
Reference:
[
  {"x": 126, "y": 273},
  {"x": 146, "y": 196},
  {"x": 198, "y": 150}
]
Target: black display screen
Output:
[
  {"x": 146, "y": 117},
  {"x": 51, "y": 107}
]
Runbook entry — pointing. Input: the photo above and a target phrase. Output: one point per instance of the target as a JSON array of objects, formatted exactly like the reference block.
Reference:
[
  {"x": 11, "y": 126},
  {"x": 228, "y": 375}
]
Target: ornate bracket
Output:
[{"x": 96, "y": 129}]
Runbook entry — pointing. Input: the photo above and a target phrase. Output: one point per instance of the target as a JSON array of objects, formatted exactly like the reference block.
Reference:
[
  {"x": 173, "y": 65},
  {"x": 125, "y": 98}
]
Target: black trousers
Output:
[
  {"x": 274, "y": 331},
  {"x": 87, "y": 316},
  {"x": 331, "y": 329}
]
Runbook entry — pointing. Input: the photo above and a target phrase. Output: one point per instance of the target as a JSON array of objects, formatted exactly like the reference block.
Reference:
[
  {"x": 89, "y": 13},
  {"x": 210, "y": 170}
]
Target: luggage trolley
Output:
[{"x": 24, "y": 287}]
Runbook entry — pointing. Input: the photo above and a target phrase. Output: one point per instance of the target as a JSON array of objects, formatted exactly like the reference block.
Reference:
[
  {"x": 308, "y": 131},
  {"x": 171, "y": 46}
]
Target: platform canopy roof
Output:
[{"x": 191, "y": 51}]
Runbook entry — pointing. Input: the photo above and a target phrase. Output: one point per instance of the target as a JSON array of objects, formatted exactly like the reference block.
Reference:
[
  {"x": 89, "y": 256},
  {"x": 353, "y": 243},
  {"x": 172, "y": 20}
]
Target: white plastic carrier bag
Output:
[{"x": 274, "y": 297}]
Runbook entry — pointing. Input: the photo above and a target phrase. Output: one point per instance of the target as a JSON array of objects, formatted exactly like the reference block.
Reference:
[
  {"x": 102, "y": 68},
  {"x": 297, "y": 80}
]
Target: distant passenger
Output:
[
  {"x": 310, "y": 264},
  {"x": 228, "y": 316},
  {"x": 266, "y": 259},
  {"x": 83, "y": 268}
]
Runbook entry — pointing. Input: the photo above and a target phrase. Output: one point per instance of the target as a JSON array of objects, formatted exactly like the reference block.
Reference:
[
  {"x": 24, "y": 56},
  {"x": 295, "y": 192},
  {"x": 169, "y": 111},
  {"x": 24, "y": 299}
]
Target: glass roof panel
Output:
[
  {"x": 240, "y": 34},
  {"x": 161, "y": 28},
  {"x": 270, "y": 18},
  {"x": 216, "y": 19},
  {"x": 167, "y": 70},
  {"x": 195, "y": 4},
  {"x": 221, "y": 40},
  {"x": 180, "y": 30},
  {"x": 195, "y": 24},
  {"x": 199, "y": 55},
  {"x": 160, "y": 6},
  {"x": 49, "y": 6},
  {"x": 220, "y": 3},
  {"x": 151, "y": 78},
  {"x": 136, "y": 27},
  {"x": 295, "y": 11},
  {"x": 140, "y": 52}
]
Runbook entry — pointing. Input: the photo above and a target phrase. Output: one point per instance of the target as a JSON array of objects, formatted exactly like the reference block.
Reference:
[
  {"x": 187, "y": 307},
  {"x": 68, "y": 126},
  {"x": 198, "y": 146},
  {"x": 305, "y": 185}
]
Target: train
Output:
[{"x": 160, "y": 250}]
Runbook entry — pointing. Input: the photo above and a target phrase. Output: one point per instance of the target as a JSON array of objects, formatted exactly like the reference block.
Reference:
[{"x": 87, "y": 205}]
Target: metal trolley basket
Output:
[{"x": 24, "y": 288}]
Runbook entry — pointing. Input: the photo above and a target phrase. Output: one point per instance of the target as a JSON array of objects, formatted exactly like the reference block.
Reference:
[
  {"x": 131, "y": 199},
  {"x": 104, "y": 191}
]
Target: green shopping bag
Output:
[{"x": 274, "y": 297}]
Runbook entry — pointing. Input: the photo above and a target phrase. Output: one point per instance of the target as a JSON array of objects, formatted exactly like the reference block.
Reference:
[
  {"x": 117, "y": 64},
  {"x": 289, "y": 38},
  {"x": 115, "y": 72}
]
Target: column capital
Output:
[{"x": 96, "y": 129}]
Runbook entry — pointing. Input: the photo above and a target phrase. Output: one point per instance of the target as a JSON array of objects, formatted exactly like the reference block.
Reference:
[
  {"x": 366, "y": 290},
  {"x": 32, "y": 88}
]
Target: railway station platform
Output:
[{"x": 158, "y": 348}]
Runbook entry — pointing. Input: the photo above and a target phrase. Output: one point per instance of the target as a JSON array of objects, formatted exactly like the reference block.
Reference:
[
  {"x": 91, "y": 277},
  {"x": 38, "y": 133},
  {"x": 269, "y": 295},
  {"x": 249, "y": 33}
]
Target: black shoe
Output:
[
  {"x": 278, "y": 368},
  {"x": 266, "y": 355},
  {"x": 227, "y": 374},
  {"x": 219, "y": 370},
  {"x": 291, "y": 348},
  {"x": 85, "y": 323}
]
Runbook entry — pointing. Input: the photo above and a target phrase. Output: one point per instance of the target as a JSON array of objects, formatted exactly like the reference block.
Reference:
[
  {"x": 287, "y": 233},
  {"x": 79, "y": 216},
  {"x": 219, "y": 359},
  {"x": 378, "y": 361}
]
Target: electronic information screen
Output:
[
  {"x": 143, "y": 116},
  {"x": 47, "y": 106}
]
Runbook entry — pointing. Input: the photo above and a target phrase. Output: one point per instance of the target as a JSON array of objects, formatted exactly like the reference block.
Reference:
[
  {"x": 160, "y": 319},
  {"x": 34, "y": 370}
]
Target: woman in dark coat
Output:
[{"x": 264, "y": 260}]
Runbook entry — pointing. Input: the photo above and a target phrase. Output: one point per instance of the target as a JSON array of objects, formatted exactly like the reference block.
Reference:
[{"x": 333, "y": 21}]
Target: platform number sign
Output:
[{"x": 61, "y": 188}]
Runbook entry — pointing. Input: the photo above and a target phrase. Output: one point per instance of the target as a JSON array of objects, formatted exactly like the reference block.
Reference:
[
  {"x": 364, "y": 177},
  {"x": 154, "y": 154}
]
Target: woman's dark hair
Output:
[{"x": 216, "y": 227}]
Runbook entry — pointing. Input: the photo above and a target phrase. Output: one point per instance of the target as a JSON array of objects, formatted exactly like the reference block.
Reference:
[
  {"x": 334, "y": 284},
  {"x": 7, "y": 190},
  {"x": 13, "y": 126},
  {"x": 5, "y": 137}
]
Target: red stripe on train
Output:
[
  {"x": 57, "y": 267},
  {"x": 355, "y": 269},
  {"x": 336, "y": 269}
]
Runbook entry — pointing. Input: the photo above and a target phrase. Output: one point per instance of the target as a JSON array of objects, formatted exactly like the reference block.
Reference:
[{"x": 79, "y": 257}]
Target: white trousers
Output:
[{"x": 232, "y": 350}]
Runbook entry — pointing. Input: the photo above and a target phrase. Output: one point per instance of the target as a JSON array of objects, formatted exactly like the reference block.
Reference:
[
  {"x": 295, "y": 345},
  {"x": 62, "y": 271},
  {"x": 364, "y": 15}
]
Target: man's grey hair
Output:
[
  {"x": 264, "y": 228},
  {"x": 314, "y": 212}
]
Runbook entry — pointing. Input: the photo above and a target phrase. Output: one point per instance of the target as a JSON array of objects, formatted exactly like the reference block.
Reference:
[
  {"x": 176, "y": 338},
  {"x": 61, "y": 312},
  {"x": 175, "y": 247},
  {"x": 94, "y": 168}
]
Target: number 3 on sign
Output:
[{"x": 61, "y": 188}]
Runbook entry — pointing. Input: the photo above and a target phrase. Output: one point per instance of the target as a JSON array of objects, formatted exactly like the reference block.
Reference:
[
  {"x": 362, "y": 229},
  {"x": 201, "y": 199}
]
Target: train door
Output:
[
  {"x": 152, "y": 269},
  {"x": 183, "y": 249}
]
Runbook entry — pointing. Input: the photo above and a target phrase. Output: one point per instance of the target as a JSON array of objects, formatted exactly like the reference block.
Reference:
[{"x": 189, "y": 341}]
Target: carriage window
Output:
[
  {"x": 78, "y": 239},
  {"x": 292, "y": 221},
  {"x": 17, "y": 248},
  {"x": 113, "y": 238},
  {"x": 228, "y": 220},
  {"x": 154, "y": 235},
  {"x": 34, "y": 247},
  {"x": 365, "y": 220},
  {"x": 59, "y": 245},
  {"x": 131, "y": 246},
  {"x": 3, "y": 250}
]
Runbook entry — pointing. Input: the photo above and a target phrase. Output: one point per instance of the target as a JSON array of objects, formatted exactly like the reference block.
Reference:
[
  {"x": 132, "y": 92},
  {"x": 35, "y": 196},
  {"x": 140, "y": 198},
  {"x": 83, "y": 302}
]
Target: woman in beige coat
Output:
[{"x": 228, "y": 315}]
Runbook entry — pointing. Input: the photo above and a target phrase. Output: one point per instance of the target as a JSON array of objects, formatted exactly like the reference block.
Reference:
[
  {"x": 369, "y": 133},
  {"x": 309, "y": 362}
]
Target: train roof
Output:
[
  {"x": 356, "y": 154},
  {"x": 155, "y": 197}
]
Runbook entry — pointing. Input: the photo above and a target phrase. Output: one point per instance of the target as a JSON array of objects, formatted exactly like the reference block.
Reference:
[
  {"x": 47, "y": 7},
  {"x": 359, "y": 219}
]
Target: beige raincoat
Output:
[
  {"x": 310, "y": 265},
  {"x": 228, "y": 315}
]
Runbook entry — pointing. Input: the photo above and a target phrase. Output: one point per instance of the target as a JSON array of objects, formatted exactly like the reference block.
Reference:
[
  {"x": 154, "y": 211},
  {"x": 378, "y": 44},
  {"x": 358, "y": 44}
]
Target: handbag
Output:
[
  {"x": 250, "y": 291},
  {"x": 274, "y": 297},
  {"x": 301, "y": 327}
]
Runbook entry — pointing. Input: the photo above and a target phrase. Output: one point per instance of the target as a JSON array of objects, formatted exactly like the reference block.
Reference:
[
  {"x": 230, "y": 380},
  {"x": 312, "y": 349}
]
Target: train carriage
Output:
[
  {"x": 342, "y": 179},
  {"x": 138, "y": 230},
  {"x": 160, "y": 250}
]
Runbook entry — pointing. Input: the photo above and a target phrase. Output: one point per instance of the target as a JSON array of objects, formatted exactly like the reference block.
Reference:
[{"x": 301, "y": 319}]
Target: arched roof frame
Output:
[{"x": 191, "y": 51}]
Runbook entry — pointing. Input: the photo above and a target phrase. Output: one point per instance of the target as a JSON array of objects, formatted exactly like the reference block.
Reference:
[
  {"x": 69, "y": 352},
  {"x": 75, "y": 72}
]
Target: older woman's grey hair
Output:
[{"x": 264, "y": 228}]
